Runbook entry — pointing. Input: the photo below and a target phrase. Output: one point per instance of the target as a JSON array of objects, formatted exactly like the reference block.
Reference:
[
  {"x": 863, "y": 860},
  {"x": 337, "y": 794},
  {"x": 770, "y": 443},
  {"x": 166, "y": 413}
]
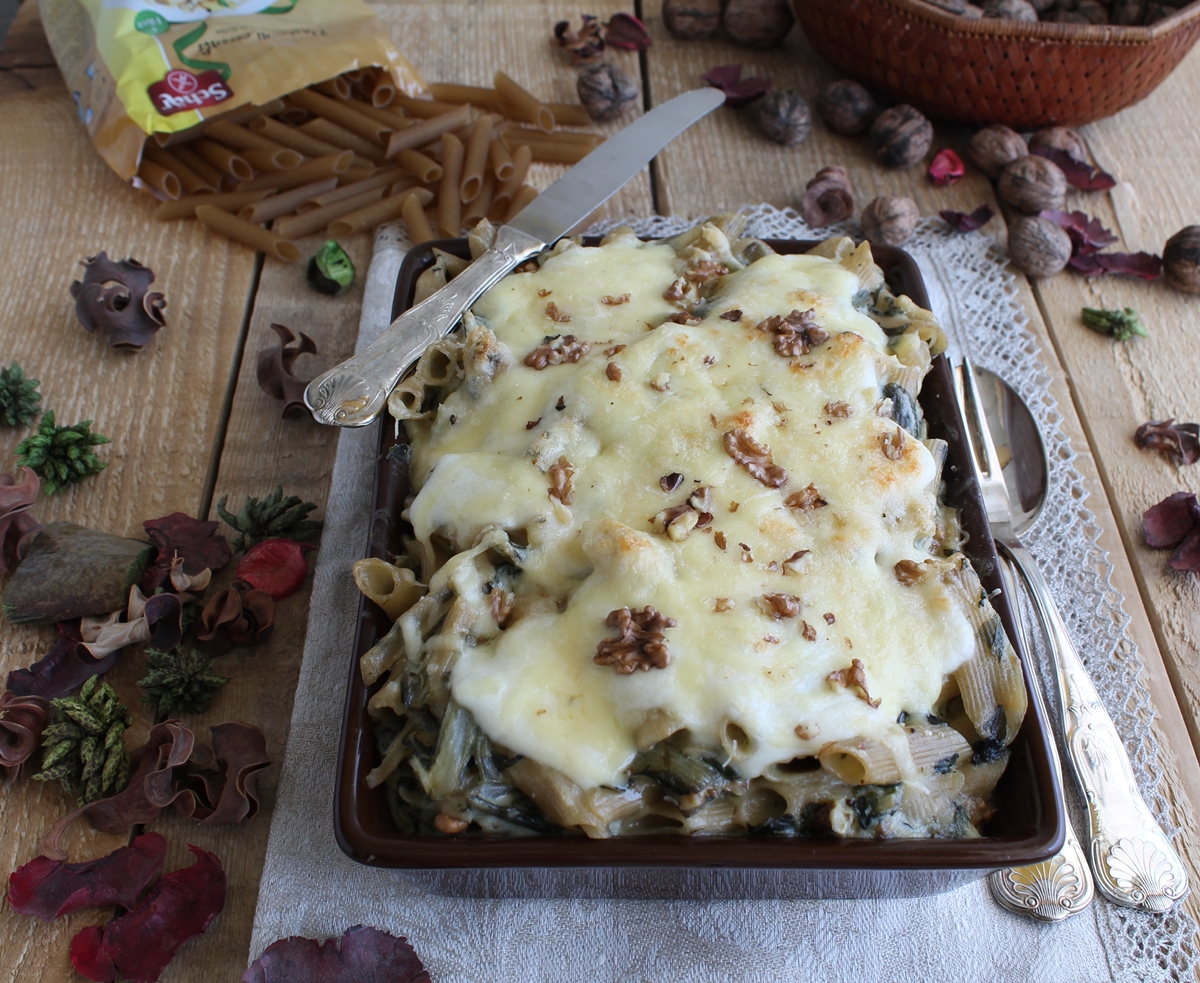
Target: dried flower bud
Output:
[
  {"x": 1010, "y": 10},
  {"x": 691, "y": 20},
  {"x": 782, "y": 114},
  {"x": 1038, "y": 247},
  {"x": 1033, "y": 184},
  {"x": 846, "y": 107},
  {"x": 890, "y": 219},
  {"x": 1181, "y": 260},
  {"x": 828, "y": 198},
  {"x": 1060, "y": 138},
  {"x": 758, "y": 23},
  {"x": 606, "y": 91},
  {"x": 995, "y": 147},
  {"x": 901, "y": 136}
]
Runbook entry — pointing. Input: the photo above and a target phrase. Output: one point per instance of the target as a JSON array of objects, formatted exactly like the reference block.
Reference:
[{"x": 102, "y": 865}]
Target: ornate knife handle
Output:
[
  {"x": 1134, "y": 862},
  {"x": 354, "y": 393}
]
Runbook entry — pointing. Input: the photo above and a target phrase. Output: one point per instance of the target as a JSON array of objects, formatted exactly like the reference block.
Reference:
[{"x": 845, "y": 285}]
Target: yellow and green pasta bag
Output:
[{"x": 141, "y": 67}]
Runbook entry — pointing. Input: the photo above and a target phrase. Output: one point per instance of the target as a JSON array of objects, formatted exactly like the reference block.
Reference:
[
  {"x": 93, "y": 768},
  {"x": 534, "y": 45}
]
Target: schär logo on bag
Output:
[{"x": 180, "y": 90}]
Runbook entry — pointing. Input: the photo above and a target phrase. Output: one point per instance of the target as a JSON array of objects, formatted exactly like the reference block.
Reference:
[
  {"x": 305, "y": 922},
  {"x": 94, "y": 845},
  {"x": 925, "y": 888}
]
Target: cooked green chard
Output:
[
  {"x": 331, "y": 270},
  {"x": 676, "y": 771}
]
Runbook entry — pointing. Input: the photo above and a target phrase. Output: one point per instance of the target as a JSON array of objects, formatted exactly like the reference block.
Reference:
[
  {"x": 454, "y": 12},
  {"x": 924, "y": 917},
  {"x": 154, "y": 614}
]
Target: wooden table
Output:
[{"x": 190, "y": 425}]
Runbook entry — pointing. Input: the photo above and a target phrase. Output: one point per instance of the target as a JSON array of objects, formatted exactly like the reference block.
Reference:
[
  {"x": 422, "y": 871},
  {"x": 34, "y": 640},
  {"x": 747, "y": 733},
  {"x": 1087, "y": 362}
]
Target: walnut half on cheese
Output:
[{"x": 730, "y": 468}]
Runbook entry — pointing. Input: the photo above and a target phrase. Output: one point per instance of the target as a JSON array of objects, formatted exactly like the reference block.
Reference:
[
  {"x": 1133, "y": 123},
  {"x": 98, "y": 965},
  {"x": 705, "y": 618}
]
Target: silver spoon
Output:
[{"x": 1133, "y": 861}]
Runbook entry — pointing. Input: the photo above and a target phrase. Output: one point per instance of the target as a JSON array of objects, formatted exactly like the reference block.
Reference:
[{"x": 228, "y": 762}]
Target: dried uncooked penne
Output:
[
  {"x": 240, "y": 117},
  {"x": 426, "y": 169},
  {"x": 525, "y": 194},
  {"x": 339, "y": 136},
  {"x": 224, "y": 159},
  {"x": 554, "y": 153},
  {"x": 286, "y": 203},
  {"x": 244, "y": 232},
  {"x": 508, "y": 188},
  {"x": 283, "y": 159},
  {"x": 474, "y": 159},
  {"x": 449, "y": 203},
  {"x": 393, "y": 118},
  {"x": 386, "y": 177},
  {"x": 186, "y": 207},
  {"x": 476, "y": 94},
  {"x": 342, "y": 114},
  {"x": 338, "y": 86},
  {"x": 198, "y": 165},
  {"x": 238, "y": 137},
  {"x": 387, "y": 210},
  {"x": 306, "y": 173},
  {"x": 289, "y": 136},
  {"x": 382, "y": 90},
  {"x": 428, "y": 130},
  {"x": 190, "y": 182},
  {"x": 423, "y": 108},
  {"x": 566, "y": 115},
  {"x": 526, "y": 106},
  {"x": 306, "y": 223},
  {"x": 419, "y": 229},
  {"x": 479, "y": 208},
  {"x": 500, "y": 159},
  {"x": 159, "y": 178}
]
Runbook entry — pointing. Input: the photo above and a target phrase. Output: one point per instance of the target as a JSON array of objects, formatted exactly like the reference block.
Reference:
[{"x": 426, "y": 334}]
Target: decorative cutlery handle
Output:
[
  {"x": 355, "y": 392},
  {"x": 1134, "y": 862}
]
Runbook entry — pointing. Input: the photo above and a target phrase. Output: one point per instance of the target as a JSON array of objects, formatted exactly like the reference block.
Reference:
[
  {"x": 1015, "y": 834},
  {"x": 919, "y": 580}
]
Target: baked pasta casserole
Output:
[{"x": 678, "y": 559}]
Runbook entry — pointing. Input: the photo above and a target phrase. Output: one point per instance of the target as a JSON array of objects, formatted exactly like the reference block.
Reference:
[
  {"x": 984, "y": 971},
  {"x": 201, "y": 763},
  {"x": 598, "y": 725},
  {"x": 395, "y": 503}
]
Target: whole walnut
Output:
[
  {"x": 691, "y": 20},
  {"x": 1181, "y": 260},
  {"x": 890, "y": 219},
  {"x": 1060, "y": 138},
  {"x": 828, "y": 197},
  {"x": 901, "y": 136},
  {"x": 995, "y": 147},
  {"x": 758, "y": 23},
  {"x": 606, "y": 91},
  {"x": 1010, "y": 10},
  {"x": 846, "y": 107},
  {"x": 1032, "y": 184},
  {"x": 1038, "y": 247},
  {"x": 782, "y": 114}
]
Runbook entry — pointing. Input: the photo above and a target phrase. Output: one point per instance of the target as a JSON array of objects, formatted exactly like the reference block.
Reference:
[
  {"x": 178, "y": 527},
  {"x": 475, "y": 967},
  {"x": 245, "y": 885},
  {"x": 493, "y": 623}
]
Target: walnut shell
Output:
[
  {"x": 783, "y": 115},
  {"x": 901, "y": 136},
  {"x": 1038, "y": 247},
  {"x": 846, "y": 107},
  {"x": 691, "y": 20},
  {"x": 995, "y": 147},
  {"x": 606, "y": 91},
  {"x": 1181, "y": 260},
  {"x": 1060, "y": 138},
  {"x": 758, "y": 23},
  {"x": 1032, "y": 184},
  {"x": 828, "y": 197},
  {"x": 1010, "y": 10},
  {"x": 890, "y": 219}
]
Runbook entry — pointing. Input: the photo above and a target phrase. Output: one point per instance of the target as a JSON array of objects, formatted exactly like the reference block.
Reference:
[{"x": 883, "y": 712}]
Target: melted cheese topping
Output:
[{"x": 737, "y": 675}]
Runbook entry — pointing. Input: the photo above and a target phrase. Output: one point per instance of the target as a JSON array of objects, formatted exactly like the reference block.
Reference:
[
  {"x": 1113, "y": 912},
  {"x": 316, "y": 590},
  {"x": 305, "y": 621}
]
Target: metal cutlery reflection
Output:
[{"x": 1133, "y": 862}]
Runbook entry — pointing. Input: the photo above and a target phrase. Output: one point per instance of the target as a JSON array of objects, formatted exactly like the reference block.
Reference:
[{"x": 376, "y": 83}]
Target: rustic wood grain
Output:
[{"x": 26, "y": 62}]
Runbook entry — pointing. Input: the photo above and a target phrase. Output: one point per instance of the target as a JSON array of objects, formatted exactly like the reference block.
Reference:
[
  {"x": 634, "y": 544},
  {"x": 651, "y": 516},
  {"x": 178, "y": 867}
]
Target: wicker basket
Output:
[{"x": 993, "y": 71}]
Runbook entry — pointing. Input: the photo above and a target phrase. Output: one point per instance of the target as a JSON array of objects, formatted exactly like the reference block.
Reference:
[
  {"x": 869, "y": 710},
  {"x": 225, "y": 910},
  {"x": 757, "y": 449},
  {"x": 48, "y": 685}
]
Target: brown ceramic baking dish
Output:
[{"x": 1027, "y": 827}]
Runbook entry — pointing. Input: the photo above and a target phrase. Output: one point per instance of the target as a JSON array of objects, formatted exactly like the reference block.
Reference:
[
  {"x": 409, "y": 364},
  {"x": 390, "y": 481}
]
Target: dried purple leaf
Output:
[
  {"x": 1143, "y": 265},
  {"x": 1180, "y": 440},
  {"x": 66, "y": 667},
  {"x": 361, "y": 955},
  {"x": 116, "y": 296},
  {"x": 1079, "y": 174},
  {"x": 196, "y": 543},
  {"x": 275, "y": 375},
  {"x": 1168, "y": 523},
  {"x": 626, "y": 32},
  {"x": 1088, "y": 235},
  {"x": 962, "y": 222},
  {"x": 738, "y": 91},
  {"x": 1187, "y": 556}
]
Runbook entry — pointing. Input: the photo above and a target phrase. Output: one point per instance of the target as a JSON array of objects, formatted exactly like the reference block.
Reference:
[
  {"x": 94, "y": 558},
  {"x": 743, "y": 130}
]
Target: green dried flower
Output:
[
  {"x": 275, "y": 516},
  {"x": 178, "y": 683},
  {"x": 83, "y": 748},
  {"x": 1121, "y": 325},
  {"x": 20, "y": 401},
  {"x": 331, "y": 271},
  {"x": 61, "y": 456}
]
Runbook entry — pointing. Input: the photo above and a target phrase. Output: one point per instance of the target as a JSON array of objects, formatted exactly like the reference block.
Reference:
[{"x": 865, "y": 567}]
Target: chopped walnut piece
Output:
[
  {"x": 661, "y": 383},
  {"x": 892, "y": 445},
  {"x": 555, "y": 350},
  {"x": 806, "y": 731},
  {"x": 544, "y": 292},
  {"x": 754, "y": 457},
  {"x": 723, "y": 604},
  {"x": 797, "y": 561},
  {"x": 669, "y": 482},
  {"x": 613, "y": 372},
  {"x": 561, "y": 404},
  {"x": 615, "y": 350},
  {"x": 529, "y": 266},
  {"x": 677, "y": 291},
  {"x": 533, "y": 423},
  {"x": 702, "y": 499},
  {"x": 734, "y": 506},
  {"x": 449, "y": 825},
  {"x": 560, "y": 481},
  {"x": 747, "y": 556},
  {"x": 854, "y": 677},
  {"x": 676, "y": 522},
  {"x": 910, "y": 572},
  {"x": 555, "y": 314},
  {"x": 733, "y": 315},
  {"x": 796, "y": 334},
  {"x": 808, "y": 631},
  {"x": 641, "y": 644},
  {"x": 719, "y": 539},
  {"x": 829, "y": 617},
  {"x": 502, "y": 604},
  {"x": 685, "y": 318},
  {"x": 610, "y": 301},
  {"x": 705, "y": 270},
  {"x": 806, "y": 499},
  {"x": 838, "y": 410},
  {"x": 780, "y": 606}
]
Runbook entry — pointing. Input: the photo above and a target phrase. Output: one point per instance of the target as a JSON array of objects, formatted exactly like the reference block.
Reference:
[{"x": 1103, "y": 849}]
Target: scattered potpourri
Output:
[
  {"x": 16, "y": 521},
  {"x": 962, "y": 222},
  {"x": 20, "y": 401},
  {"x": 277, "y": 566},
  {"x": 22, "y": 720},
  {"x": 271, "y": 518},
  {"x": 738, "y": 91},
  {"x": 61, "y": 456},
  {"x": 946, "y": 168},
  {"x": 1079, "y": 174},
  {"x": 274, "y": 370},
  {"x": 331, "y": 271},
  {"x": 83, "y": 748},
  {"x": 62, "y": 670},
  {"x": 1145, "y": 266},
  {"x": 1119, "y": 325},
  {"x": 115, "y": 297},
  {"x": 1088, "y": 237},
  {"x": 197, "y": 543},
  {"x": 235, "y": 616},
  {"x": 157, "y": 619},
  {"x": 1174, "y": 523},
  {"x": 1178, "y": 440},
  {"x": 624, "y": 31},
  {"x": 179, "y": 683},
  {"x": 361, "y": 955}
]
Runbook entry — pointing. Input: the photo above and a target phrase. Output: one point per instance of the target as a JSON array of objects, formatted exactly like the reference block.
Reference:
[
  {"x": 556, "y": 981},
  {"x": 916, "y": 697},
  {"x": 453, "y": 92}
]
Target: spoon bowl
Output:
[{"x": 1018, "y": 440}]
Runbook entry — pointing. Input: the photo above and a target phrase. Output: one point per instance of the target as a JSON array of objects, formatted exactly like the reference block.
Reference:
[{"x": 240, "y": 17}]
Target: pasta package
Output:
[{"x": 139, "y": 68}]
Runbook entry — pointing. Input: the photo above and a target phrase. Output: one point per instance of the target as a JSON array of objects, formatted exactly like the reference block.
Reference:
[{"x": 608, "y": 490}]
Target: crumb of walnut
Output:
[
  {"x": 560, "y": 481},
  {"x": 705, "y": 270},
  {"x": 910, "y": 572},
  {"x": 806, "y": 499},
  {"x": 808, "y": 631},
  {"x": 641, "y": 644},
  {"x": 747, "y": 556},
  {"x": 685, "y": 318},
  {"x": 780, "y": 606},
  {"x": 723, "y": 604},
  {"x": 719, "y": 539},
  {"x": 892, "y": 445},
  {"x": 555, "y": 314},
  {"x": 609, "y": 301},
  {"x": 838, "y": 410},
  {"x": 555, "y": 350},
  {"x": 533, "y": 423},
  {"x": 854, "y": 677},
  {"x": 829, "y": 617},
  {"x": 661, "y": 383},
  {"x": 613, "y": 371},
  {"x": 676, "y": 522},
  {"x": 449, "y": 825},
  {"x": 796, "y": 334},
  {"x": 669, "y": 482},
  {"x": 797, "y": 561},
  {"x": 677, "y": 291},
  {"x": 733, "y": 315},
  {"x": 544, "y": 292},
  {"x": 615, "y": 350},
  {"x": 754, "y": 457},
  {"x": 502, "y": 604},
  {"x": 529, "y": 266},
  {"x": 561, "y": 404},
  {"x": 806, "y": 730}
]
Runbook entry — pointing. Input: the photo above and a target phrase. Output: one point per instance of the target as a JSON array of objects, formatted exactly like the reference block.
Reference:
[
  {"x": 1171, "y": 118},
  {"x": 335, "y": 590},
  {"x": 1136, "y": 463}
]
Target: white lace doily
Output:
[{"x": 310, "y": 888}]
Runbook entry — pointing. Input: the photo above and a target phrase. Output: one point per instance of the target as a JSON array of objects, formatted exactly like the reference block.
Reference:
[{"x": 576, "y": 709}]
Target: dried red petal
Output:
[
  {"x": 180, "y": 906},
  {"x": 88, "y": 958},
  {"x": 66, "y": 667},
  {"x": 1143, "y": 265},
  {"x": 738, "y": 91},
  {"x": 946, "y": 168},
  {"x": 1187, "y": 556},
  {"x": 48, "y": 888},
  {"x": 1166, "y": 524},
  {"x": 627, "y": 32},
  {"x": 277, "y": 566},
  {"x": 362, "y": 955},
  {"x": 197, "y": 543},
  {"x": 1079, "y": 174},
  {"x": 1180, "y": 440},
  {"x": 1088, "y": 235},
  {"x": 962, "y": 222}
]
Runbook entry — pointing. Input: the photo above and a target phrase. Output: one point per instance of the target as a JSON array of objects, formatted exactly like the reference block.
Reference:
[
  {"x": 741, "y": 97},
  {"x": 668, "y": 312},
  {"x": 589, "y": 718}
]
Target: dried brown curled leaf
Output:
[
  {"x": 1180, "y": 440},
  {"x": 116, "y": 297},
  {"x": 274, "y": 370},
  {"x": 237, "y": 616},
  {"x": 828, "y": 197},
  {"x": 22, "y": 720},
  {"x": 16, "y": 524}
]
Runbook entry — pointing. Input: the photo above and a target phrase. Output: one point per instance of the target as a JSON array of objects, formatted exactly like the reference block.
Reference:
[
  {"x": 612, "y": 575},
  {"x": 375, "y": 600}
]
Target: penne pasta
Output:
[
  {"x": 474, "y": 159},
  {"x": 342, "y": 114},
  {"x": 238, "y": 137},
  {"x": 339, "y": 136},
  {"x": 223, "y": 159},
  {"x": 427, "y": 130},
  {"x": 377, "y": 213},
  {"x": 553, "y": 153},
  {"x": 521, "y": 134},
  {"x": 338, "y": 87},
  {"x": 381, "y": 89},
  {"x": 239, "y": 117},
  {"x": 449, "y": 203},
  {"x": 199, "y": 166},
  {"x": 525, "y": 194},
  {"x": 425, "y": 168},
  {"x": 565, "y": 115},
  {"x": 475, "y": 94},
  {"x": 311, "y": 170},
  {"x": 395, "y": 589},
  {"x": 288, "y": 136},
  {"x": 159, "y": 178},
  {"x": 423, "y": 108},
  {"x": 252, "y": 235},
  {"x": 286, "y": 203},
  {"x": 482, "y": 202},
  {"x": 357, "y": 172},
  {"x": 413, "y": 213},
  {"x": 504, "y": 193},
  {"x": 525, "y": 105},
  {"x": 283, "y": 159},
  {"x": 306, "y": 223},
  {"x": 386, "y": 177},
  {"x": 190, "y": 182},
  {"x": 393, "y": 118},
  {"x": 500, "y": 159}
]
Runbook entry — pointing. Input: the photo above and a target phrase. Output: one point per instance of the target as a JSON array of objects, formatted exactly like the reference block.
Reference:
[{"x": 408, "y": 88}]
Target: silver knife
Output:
[{"x": 354, "y": 393}]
